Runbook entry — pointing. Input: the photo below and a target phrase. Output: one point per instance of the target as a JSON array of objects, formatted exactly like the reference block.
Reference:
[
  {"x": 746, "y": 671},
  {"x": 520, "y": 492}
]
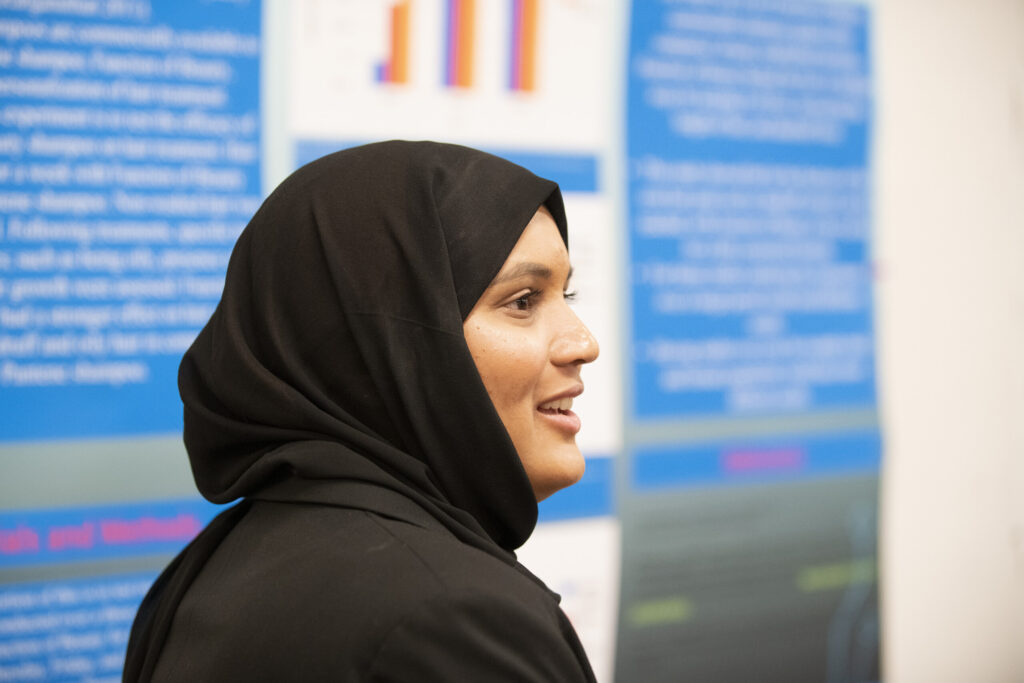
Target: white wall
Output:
[{"x": 950, "y": 253}]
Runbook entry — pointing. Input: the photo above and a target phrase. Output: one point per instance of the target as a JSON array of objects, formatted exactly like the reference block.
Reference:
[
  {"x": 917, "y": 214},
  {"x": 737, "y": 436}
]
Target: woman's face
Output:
[{"x": 528, "y": 346}]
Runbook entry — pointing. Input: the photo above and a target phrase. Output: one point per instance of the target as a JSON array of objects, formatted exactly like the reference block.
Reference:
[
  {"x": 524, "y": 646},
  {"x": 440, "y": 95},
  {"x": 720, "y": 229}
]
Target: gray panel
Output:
[{"x": 751, "y": 583}]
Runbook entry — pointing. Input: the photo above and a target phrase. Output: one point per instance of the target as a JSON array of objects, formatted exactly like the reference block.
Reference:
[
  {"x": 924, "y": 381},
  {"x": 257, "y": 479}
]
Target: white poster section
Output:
[{"x": 324, "y": 90}]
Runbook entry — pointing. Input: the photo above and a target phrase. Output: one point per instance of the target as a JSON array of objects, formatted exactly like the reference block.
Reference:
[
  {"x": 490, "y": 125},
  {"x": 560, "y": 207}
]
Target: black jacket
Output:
[{"x": 313, "y": 592}]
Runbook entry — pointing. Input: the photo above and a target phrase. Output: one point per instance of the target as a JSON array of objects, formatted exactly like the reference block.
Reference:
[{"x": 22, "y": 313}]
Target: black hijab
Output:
[{"x": 335, "y": 367}]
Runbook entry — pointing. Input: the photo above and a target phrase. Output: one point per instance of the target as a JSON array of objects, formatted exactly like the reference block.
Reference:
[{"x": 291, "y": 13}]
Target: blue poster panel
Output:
[
  {"x": 68, "y": 630},
  {"x": 573, "y": 171},
  {"x": 50, "y": 536},
  {"x": 748, "y": 206},
  {"x": 754, "y": 461},
  {"x": 129, "y": 162},
  {"x": 76, "y": 628}
]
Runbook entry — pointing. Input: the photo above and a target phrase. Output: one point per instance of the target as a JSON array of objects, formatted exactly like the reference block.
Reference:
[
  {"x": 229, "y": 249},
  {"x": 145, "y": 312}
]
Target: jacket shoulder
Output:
[{"x": 310, "y": 592}]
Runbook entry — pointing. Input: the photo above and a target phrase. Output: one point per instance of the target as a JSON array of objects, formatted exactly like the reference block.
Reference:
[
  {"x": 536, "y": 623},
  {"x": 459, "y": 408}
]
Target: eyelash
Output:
[{"x": 525, "y": 302}]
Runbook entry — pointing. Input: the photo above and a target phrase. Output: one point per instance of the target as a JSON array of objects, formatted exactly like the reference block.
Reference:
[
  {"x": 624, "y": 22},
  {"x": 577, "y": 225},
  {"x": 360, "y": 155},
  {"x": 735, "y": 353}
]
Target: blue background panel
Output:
[
  {"x": 750, "y": 461},
  {"x": 130, "y": 162}
]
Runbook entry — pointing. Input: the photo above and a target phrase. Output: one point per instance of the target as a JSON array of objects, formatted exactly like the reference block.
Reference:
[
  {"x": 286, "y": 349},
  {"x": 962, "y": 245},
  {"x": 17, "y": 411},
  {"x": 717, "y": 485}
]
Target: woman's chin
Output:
[{"x": 561, "y": 470}]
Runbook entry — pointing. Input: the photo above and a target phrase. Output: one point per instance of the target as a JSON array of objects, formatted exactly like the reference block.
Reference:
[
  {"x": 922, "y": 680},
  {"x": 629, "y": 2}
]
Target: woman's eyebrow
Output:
[{"x": 523, "y": 269}]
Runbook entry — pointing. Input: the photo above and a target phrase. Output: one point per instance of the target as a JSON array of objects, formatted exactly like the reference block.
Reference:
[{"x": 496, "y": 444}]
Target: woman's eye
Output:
[
  {"x": 524, "y": 302},
  {"x": 569, "y": 295}
]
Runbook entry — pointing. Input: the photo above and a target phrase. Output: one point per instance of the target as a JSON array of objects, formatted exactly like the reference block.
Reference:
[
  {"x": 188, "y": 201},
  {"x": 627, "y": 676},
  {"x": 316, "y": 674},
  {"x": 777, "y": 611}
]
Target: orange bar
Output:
[
  {"x": 528, "y": 46},
  {"x": 400, "y": 42},
  {"x": 465, "y": 36}
]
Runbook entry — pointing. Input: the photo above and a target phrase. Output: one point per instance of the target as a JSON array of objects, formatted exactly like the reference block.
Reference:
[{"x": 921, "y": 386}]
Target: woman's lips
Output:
[
  {"x": 563, "y": 420},
  {"x": 557, "y": 411}
]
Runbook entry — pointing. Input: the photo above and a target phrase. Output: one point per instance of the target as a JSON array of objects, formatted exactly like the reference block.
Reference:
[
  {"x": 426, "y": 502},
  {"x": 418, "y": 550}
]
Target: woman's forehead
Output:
[{"x": 539, "y": 248}]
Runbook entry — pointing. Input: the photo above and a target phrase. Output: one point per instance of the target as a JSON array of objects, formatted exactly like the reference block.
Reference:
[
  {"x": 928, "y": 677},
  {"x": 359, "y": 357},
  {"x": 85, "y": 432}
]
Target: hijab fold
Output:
[{"x": 337, "y": 355}]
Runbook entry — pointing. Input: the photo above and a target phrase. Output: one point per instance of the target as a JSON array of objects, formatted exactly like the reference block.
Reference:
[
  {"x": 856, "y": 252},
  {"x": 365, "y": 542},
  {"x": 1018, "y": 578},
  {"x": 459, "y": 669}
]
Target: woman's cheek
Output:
[
  {"x": 522, "y": 361},
  {"x": 515, "y": 367}
]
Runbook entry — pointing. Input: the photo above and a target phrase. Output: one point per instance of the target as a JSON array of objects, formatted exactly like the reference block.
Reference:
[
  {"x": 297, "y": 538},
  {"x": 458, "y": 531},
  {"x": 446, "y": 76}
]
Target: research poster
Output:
[
  {"x": 714, "y": 160},
  {"x": 749, "y": 490},
  {"x": 131, "y": 143},
  {"x": 129, "y": 162}
]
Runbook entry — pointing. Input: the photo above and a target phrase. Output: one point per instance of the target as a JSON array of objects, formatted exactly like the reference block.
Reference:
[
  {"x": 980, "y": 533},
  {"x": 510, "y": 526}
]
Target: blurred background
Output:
[{"x": 797, "y": 232}]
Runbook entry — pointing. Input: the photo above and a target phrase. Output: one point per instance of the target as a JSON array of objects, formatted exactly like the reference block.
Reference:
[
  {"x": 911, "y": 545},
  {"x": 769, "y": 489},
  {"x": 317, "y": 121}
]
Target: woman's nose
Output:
[{"x": 574, "y": 344}]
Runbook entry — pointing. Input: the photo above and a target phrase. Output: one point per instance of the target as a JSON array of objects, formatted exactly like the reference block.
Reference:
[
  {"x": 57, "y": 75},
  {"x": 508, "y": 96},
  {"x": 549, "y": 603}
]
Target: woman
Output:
[{"x": 387, "y": 384}]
